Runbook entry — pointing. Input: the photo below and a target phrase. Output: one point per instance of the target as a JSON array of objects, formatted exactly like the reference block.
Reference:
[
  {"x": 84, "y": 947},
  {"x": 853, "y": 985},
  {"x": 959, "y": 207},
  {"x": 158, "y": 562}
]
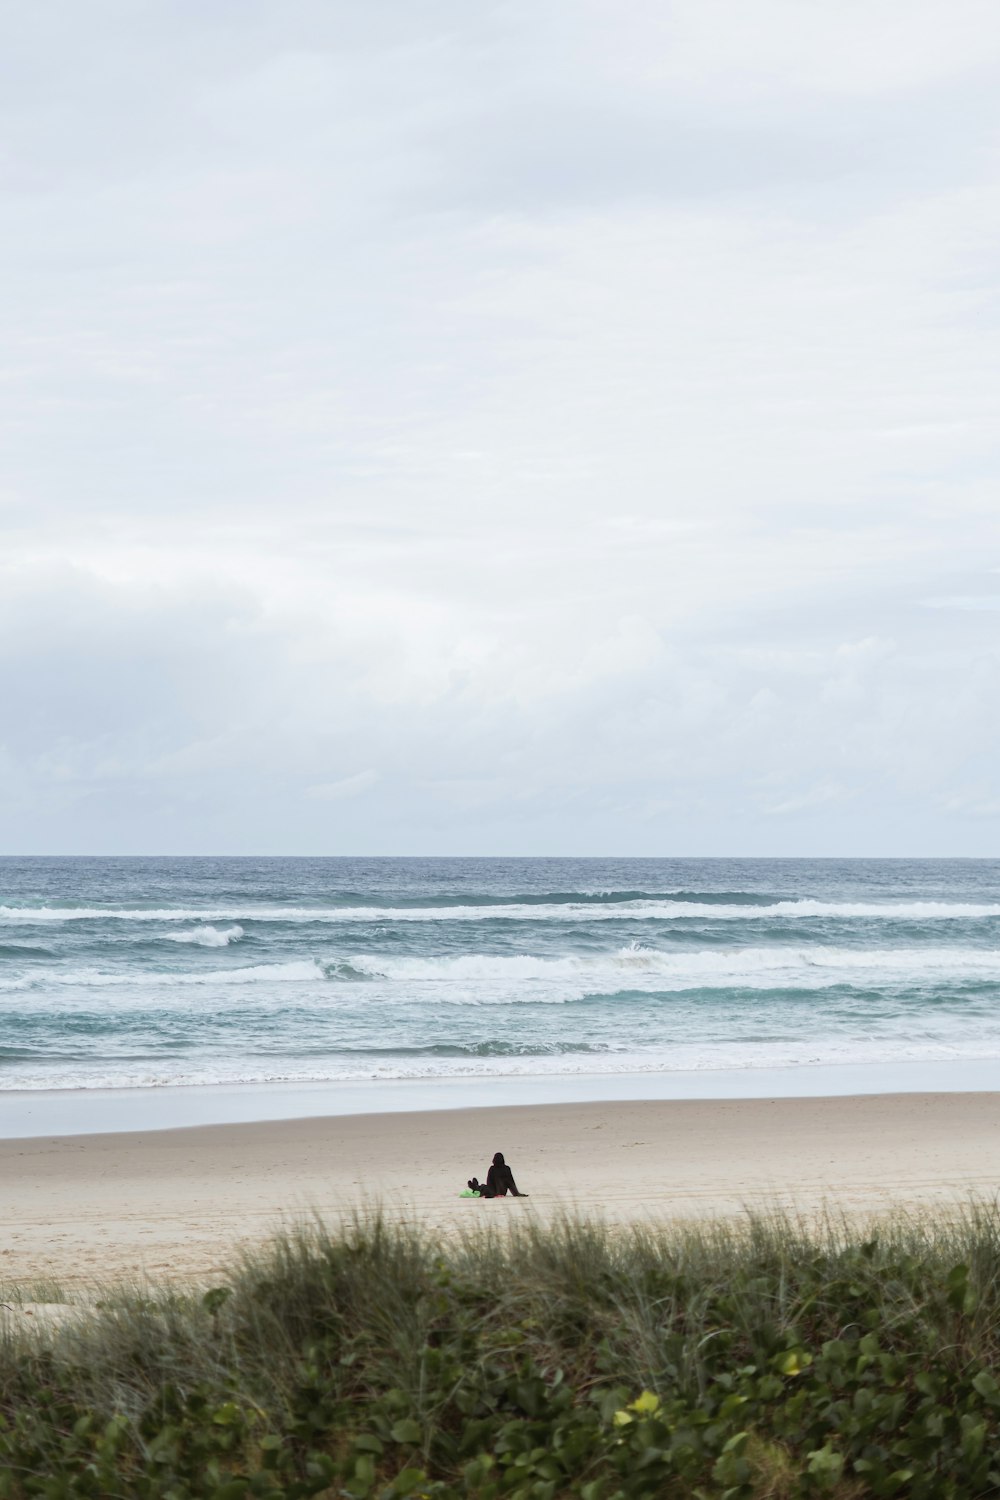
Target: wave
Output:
[
  {"x": 638, "y": 968},
  {"x": 32, "y": 1074},
  {"x": 558, "y": 898},
  {"x": 208, "y": 936},
  {"x": 498, "y": 1047},
  {"x": 298, "y": 971},
  {"x": 644, "y": 909},
  {"x": 475, "y": 978}
]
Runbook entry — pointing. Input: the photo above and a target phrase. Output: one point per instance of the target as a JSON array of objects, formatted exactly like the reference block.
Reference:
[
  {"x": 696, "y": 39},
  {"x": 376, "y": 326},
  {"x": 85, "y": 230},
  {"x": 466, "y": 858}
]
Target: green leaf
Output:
[
  {"x": 227, "y": 1415},
  {"x": 406, "y": 1481},
  {"x": 987, "y": 1387},
  {"x": 973, "y": 1438},
  {"x": 215, "y": 1297},
  {"x": 364, "y": 1475},
  {"x": 825, "y": 1464},
  {"x": 477, "y": 1471},
  {"x": 406, "y": 1430},
  {"x": 366, "y": 1443},
  {"x": 793, "y": 1362},
  {"x": 960, "y": 1294}
]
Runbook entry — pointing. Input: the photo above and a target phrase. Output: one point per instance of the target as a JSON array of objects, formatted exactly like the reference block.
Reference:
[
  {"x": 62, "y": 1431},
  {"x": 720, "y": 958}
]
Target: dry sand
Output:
[{"x": 82, "y": 1210}]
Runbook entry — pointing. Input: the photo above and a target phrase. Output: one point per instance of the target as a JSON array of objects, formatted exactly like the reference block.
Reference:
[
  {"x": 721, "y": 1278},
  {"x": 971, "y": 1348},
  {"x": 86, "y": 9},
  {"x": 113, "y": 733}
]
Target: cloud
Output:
[
  {"x": 348, "y": 786},
  {"x": 571, "y": 421},
  {"x": 971, "y": 601},
  {"x": 817, "y": 796}
]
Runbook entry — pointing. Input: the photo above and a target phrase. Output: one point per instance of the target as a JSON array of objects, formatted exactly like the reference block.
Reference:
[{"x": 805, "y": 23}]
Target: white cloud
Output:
[
  {"x": 570, "y": 419},
  {"x": 816, "y": 796},
  {"x": 970, "y": 601},
  {"x": 348, "y": 786}
]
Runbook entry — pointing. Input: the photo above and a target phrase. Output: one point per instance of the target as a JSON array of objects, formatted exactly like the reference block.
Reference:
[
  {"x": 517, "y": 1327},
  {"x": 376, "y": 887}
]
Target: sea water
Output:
[{"x": 141, "y": 973}]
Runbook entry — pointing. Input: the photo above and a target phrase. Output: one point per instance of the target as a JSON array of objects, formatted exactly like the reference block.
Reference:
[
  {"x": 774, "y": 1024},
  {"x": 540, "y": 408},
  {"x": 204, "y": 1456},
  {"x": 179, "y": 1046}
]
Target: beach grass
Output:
[
  {"x": 44, "y": 1290},
  {"x": 764, "y": 1357}
]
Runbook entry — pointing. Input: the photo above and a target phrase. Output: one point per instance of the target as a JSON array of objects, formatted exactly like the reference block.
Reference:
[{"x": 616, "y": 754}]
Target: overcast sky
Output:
[{"x": 563, "y": 427}]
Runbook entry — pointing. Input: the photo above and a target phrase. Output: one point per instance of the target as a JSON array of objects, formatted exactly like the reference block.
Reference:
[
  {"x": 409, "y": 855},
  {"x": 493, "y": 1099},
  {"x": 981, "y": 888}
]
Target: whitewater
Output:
[{"x": 150, "y": 973}]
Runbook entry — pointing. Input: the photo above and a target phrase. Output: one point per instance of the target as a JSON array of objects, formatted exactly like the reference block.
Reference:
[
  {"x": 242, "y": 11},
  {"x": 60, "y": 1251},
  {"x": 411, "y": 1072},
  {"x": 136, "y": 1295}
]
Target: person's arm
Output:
[{"x": 513, "y": 1185}]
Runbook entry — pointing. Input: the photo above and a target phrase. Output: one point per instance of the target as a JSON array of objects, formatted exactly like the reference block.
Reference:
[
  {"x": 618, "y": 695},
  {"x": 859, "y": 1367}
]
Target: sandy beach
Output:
[{"x": 81, "y": 1210}]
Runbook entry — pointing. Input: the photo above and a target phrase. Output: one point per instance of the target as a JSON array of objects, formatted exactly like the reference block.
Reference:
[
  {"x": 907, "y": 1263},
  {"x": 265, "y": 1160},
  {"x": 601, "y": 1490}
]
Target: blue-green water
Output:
[{"x": 126, "y": 972}]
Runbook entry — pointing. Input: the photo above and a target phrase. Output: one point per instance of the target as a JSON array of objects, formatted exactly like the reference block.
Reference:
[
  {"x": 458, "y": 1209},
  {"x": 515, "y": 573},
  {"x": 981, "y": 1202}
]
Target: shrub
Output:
[{"x": 761, "y": 1360}]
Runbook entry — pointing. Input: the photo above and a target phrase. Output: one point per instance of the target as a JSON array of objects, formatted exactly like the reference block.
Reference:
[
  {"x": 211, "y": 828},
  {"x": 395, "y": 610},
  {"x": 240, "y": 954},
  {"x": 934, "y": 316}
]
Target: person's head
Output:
[{"x": 498, "y": 1160}]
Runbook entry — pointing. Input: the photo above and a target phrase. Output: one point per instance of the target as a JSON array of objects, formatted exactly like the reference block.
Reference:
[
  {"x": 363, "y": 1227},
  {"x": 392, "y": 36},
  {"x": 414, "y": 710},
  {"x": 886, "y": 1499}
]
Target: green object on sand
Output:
[{"x": 468, "y": 1193}]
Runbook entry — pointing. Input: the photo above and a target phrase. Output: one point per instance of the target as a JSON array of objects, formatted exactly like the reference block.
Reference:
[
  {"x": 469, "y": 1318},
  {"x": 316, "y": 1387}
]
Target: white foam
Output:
[
  {"x": 298, "y": 971},
  {"x": 635, "y": 967},
  {"x": 643, "y": 910},
  {"x": 208, "y": 936},
  {"x": 693, "y": 1058},
  {"x": 510, "y": 979}
]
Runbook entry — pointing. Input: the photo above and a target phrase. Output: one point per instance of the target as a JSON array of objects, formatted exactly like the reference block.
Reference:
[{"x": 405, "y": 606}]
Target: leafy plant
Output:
[{"x": 759, "y": 1360}]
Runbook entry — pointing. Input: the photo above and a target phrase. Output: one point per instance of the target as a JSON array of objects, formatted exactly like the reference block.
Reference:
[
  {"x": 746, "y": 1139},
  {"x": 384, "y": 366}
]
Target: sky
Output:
[{"x": 434, "y": 428}]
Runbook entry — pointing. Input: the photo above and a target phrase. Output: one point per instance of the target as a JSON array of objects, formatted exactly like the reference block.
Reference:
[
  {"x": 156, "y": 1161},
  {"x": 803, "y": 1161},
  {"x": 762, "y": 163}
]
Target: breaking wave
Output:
[
  {"x": 299, "y": 971},
  {"x": 635, "y": 967},
  {"x": 673, "y": 909},
  {"x": 168, "y": 971},
  {"x": 632, "y": 969},
  {"x": 208, "y": 936}
]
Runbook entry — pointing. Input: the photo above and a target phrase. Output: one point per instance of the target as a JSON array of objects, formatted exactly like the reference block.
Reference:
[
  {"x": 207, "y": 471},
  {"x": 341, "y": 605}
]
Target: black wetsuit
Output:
[{"x": 500, "y": 1181}]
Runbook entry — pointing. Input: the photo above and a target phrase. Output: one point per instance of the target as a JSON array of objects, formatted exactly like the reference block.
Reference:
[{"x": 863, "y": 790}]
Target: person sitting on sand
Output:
[{"x": 499, "y": 1181}]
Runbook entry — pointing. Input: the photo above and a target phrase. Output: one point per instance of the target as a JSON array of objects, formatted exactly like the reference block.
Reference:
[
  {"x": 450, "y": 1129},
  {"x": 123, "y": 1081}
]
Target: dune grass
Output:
[
  {"x": 769, "y": 1358},
  {"x": 15, "y": 1293}
]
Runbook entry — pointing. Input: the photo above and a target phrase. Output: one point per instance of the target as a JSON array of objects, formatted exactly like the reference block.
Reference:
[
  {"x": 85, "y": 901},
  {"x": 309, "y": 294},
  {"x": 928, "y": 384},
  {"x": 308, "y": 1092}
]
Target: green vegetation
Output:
[{"x": 761, "y": 1361}]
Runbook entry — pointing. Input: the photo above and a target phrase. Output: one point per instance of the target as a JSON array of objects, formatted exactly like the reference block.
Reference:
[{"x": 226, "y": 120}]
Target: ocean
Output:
[{"x": 147, "y": 973}]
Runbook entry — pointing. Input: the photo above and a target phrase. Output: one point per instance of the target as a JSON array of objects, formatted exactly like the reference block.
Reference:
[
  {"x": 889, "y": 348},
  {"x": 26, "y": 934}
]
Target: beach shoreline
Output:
[
  {"x": 81, "y": 1210},
  {"x": 32, "y": 1113}
]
